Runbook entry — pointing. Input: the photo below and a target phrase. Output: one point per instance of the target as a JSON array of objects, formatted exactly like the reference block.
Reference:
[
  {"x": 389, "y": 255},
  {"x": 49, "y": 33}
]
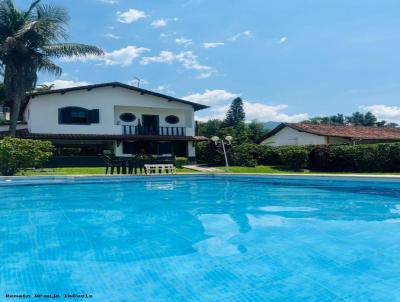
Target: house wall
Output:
[
  {"x": 338, "y": 140},
  {"x": 42, "y": 111},
  {"x": 288, "y": 136}
]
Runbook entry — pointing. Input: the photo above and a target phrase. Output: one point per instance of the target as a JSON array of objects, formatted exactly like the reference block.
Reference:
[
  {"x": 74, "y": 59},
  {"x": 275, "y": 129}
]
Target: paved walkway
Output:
[{"x": 203, "y": 169}]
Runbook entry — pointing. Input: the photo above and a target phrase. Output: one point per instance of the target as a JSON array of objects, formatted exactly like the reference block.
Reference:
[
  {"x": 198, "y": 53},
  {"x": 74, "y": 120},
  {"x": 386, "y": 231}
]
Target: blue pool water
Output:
[{"x": 203, "y": 238}]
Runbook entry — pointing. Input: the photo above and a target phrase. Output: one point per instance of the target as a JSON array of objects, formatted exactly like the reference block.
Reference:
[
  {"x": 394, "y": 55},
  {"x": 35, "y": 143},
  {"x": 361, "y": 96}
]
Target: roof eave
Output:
[{"x": 196, "y": 106}]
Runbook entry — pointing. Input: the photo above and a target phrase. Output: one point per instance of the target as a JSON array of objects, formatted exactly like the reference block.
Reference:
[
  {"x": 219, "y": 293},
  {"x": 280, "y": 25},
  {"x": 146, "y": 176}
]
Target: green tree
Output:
[
  {"x": 370, "y": 119},
  {"x": 257, "y": 131},
  {"x": 210, "y": 128},
  {"x": 235, "y": 114},
  {"x": 28, "y": 42}
]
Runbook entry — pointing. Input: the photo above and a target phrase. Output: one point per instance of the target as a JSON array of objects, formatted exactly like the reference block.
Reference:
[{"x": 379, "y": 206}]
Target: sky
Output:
[{"x": 288, "y": 59}]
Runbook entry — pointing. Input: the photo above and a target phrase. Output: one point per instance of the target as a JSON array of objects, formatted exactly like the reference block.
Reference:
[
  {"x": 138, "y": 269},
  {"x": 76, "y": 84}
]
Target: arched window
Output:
[
  {"x": 172, "y": 119},
  {"x": 78, "y": 116}
]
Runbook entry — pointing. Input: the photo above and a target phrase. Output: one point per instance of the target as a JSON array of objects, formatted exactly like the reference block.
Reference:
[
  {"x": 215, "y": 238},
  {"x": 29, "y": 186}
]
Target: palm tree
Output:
[{"x": 28, "y": 42}]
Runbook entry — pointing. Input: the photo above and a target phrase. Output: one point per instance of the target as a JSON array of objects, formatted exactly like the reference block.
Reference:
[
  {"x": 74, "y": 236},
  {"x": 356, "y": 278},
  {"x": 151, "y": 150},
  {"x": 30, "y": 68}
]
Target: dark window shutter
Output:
[
  {"x": 64, "y": 115},
  {"x": 94, "y": 116}
]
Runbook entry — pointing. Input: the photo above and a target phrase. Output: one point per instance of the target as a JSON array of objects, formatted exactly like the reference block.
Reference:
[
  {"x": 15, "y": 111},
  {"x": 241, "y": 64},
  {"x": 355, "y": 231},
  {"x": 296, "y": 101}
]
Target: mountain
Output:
[{"x": 271, "y": 125}]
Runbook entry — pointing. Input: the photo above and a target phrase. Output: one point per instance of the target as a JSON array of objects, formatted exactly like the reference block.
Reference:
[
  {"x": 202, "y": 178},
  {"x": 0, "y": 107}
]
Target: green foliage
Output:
[
  {"x": 210, "y": 128},
  {"x": 242, "y": 132},
  {"x": 269, "y": 155},
  {"x": 180, "y": 162},
  {"x": 295, "y": 156},
  {"x": 17, "y": 154},
  {"x": 356, "y": 119},
  {"x": 235, "y": 114},
  {"x": 257, "y": 131},
  {"x": 245, "y": 155},
  {"x": 359, "y": 158},
  {"x": 207, "y": 153},
  {"x": 338, "y": 119}
]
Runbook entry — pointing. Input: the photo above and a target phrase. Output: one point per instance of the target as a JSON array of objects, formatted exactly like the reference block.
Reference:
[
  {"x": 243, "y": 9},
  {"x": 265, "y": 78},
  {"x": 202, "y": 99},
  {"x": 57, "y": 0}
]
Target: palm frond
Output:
[
  {"x": 55, "y": 13},
  {"x": 45, "y": 64},
  {"x": 31, "y": 8},
  {"x": 71, "y": 49}
]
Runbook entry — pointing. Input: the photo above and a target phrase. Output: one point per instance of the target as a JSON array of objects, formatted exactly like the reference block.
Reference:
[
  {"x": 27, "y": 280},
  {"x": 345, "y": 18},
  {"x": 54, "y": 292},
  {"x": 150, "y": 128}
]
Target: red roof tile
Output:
[{"x": 354, "y": 132}]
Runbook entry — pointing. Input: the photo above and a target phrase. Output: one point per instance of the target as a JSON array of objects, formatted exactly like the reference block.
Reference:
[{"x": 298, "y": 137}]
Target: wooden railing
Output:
[{"x": 161, "y": 131}]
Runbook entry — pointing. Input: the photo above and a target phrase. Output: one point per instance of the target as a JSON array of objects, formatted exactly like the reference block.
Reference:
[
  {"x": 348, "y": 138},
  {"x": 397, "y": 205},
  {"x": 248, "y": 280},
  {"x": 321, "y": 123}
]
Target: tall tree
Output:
[
  {"x": 235, "y": 114},
  {"x": 28, "y": 42}
]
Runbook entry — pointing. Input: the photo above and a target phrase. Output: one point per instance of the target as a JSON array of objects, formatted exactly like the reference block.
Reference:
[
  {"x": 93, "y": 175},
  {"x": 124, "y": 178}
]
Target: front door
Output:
[{"x": 150, "y": 124}]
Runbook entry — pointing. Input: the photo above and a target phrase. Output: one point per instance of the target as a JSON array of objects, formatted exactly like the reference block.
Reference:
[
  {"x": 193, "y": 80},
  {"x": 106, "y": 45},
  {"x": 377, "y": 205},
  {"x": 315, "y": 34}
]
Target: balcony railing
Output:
[{"x": 161, "y": 131}]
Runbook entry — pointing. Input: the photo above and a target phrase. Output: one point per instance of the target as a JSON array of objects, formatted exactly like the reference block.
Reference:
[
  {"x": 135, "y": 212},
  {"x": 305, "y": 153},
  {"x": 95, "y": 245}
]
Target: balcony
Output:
[{"x": 161, "y": 131}]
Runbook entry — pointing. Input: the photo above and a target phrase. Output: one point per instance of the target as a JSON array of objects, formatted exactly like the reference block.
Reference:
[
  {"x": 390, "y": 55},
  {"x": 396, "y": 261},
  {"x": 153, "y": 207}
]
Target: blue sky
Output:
[{"x": 288, "y": 59}]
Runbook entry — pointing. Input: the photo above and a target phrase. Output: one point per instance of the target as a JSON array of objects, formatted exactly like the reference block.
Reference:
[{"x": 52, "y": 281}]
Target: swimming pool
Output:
[{"x": 201, "y": 238}]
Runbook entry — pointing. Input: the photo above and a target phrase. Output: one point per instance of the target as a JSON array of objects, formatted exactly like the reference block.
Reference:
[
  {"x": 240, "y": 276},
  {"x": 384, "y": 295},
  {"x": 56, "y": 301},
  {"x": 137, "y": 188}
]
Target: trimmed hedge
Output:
[
  {"x": 330, "y": 158},
  {"x": 359, "y": 158}
]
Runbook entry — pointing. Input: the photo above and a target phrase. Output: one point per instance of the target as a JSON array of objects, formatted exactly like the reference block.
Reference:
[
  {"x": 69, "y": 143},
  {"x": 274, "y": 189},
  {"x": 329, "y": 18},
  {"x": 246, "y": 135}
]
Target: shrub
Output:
[
  {"x": 245, "y": 155},
  {"x": 17, "y": 154},
  {"x": 207, "y": 153},
  {"x": 358, "y": 158},
  {"x": 295, "y": 156},
  {"x": 180, "y": 162},
  {"x": 269, "y": 155}
]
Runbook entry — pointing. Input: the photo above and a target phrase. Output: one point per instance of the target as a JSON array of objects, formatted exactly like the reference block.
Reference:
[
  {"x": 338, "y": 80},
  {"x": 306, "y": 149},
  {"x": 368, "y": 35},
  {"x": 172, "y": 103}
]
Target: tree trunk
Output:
[
  {"x": 16, "y": 107},
  {"x": 17, "y": 81}
]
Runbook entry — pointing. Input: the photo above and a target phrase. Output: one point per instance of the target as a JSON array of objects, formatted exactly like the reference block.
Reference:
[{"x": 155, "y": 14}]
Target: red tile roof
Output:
[{"x": 351, "y": 132}]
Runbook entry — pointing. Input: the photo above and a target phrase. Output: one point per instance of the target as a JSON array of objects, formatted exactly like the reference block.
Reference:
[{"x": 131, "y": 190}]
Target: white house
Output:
[
  {"x": 287, "y": 134},
  {"x": 112, "y": 118}
]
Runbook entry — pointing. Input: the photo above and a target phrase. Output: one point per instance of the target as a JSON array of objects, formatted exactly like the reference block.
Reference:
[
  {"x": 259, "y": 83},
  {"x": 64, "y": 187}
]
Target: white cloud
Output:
[
  {"x": 60, "y": 84},
  {"x": 122, "y": 57},
  {"x": 112, "y": 36},
  {"x": 283, "y": 40},
  {"x": 184, "y": 42},
  {"x": 165, "y": 89},
  {"x": 212, "y": 44},
  {"x": 211, "y": 97},
  {"x": 263, "y": 112},
  {"x": 162, "y": 22},
  {"x": 384, "y": 112},
  {"x": 159, "y": 23},
  {"x": 246, "y": 34},
  {"x": 254, "y": 110},
  {"x": 130, "y": 16},
  {"x": 187, "y": 59},
  {"x": 108, "y": 1}
]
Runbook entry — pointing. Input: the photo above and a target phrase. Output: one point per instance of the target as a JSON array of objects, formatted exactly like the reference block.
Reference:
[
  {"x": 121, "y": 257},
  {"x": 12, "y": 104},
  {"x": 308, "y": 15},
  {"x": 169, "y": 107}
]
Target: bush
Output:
[
  {"x": 358, "y": 158},
  {"x": 295, "y": 156},
  {"x": 180, "y": 162},
  {"x": 207, "y": 153},
  {"x": 245, "y": 155},
  {"x": 269, "y": 155},
  {"x": 17, "y": 154}
]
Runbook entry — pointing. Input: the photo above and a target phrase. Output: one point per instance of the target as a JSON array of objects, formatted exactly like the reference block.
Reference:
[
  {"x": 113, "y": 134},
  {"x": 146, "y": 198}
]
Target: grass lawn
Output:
[
  {"x": 75, "y": 171},
  {"x": 257, "y": 169},
  {"x": 264, "y": 169}
]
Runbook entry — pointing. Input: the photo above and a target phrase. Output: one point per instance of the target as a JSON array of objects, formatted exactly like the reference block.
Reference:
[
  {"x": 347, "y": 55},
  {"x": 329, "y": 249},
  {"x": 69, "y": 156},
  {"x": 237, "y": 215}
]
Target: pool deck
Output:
[{"x": 347, "y": 175}]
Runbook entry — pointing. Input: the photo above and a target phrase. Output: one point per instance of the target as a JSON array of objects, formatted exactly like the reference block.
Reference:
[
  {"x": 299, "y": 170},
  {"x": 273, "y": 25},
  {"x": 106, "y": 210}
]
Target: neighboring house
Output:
[
  {"x": 112, "y": 118},
  {"x": 287, "y": 134}
]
